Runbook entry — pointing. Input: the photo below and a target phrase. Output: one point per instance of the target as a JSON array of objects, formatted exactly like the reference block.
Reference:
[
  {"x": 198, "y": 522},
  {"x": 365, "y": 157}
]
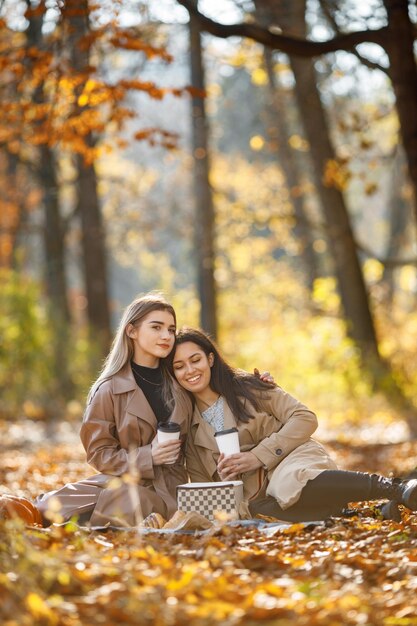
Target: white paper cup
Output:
[
  {"x": 228, "y": 441},
  {"x": 168, "y": 432}
]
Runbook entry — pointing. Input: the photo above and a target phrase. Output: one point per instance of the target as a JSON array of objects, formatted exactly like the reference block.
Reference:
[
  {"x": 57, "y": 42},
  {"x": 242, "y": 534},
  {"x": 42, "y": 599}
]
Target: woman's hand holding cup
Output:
[
  {"x": 167, "y": 446},
  {"x": 165, "y": 453},
  {"x": 231, "y": 466}
]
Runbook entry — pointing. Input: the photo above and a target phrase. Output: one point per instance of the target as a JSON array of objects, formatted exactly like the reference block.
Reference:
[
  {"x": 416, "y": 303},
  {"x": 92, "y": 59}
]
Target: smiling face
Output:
[
  {"x": 192, "y": 368},
  {"x": 153, "y": 338}
]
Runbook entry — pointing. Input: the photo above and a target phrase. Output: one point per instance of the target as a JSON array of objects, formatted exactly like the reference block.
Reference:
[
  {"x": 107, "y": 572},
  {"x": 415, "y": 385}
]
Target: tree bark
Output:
[
  {"x": 351, "y": 284},
  {"x": 403, "y": 74},
  {"x": 88, "y": 206},
  {"x": 204, "y": 209},
  {"x": 397, "y": 38},
  {"x": 53, "y": 225},
  {"x": 94, "y": 256},
  {"x": 54, "y": 245},
  {"x": 400, "y": 212},
  {"x": 293, "y": 178},
  {"x": 11, "y": 217},
  {"x": 53, "y": 236}
]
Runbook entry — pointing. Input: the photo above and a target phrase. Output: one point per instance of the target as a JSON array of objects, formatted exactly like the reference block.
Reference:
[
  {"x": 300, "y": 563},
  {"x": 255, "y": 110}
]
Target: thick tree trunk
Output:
[
  {"x": 403, "y": 74},
  {"x": 204, "y": 223},
  {"x": 291, "y": 17},
  {"x": 341, "y": 240},
  {"x": 293, "y": 178},
  {"x": 88, "y": 206}
]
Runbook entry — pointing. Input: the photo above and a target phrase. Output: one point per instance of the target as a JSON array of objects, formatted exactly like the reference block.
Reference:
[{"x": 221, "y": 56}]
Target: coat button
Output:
[{"x": 278, "y": 451}]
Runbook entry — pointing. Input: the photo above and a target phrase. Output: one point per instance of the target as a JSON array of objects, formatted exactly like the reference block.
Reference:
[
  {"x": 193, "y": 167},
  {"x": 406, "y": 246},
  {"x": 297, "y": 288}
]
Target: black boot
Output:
[
  {"x": 400, "y": 491},
  {"x": 389, "y": 510}
]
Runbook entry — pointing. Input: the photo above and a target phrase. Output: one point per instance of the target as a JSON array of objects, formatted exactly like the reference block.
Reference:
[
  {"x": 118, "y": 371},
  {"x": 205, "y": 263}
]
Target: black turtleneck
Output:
[{"x": 150, "y": 380}]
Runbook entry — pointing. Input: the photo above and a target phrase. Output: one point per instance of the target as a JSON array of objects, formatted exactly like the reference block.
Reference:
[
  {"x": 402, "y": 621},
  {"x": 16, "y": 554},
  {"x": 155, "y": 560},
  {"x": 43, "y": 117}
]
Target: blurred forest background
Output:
[{"x": 258, "y": 165}]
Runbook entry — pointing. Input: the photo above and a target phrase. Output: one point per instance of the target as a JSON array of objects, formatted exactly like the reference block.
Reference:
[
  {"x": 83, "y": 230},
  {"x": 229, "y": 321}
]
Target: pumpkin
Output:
[{"x": 12, "y": 507}]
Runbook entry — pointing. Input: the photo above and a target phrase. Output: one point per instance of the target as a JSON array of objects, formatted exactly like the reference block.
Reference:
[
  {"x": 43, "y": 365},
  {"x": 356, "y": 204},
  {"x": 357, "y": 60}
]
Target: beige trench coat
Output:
[
  {"x": 278, "y": 435},
  {"x": 117, "y": 432}
]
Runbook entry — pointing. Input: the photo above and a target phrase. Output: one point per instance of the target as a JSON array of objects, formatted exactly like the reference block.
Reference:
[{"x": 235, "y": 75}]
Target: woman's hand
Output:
[
  {"x": 166, "y": 452},
  {"x": 229, "y": 467},
  {"x": 266, "y": 377}
]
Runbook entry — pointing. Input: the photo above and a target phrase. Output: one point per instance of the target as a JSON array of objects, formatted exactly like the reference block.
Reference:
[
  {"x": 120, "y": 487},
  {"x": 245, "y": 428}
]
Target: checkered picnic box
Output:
[{"x": 209, "y": 498}]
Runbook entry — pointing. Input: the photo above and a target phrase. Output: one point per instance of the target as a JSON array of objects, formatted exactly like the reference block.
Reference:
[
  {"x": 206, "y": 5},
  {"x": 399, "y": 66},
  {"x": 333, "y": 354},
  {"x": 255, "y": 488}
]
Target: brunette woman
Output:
[{"x": 285, "y": 473}]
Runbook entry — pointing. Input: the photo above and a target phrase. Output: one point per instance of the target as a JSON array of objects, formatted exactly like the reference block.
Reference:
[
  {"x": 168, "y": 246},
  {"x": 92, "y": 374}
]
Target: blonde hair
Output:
[{"x": 122, "y": 350}]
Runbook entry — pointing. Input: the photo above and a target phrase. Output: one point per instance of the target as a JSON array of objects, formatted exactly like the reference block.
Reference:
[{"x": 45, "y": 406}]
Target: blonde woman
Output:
[{"x": 124, "y": 406}]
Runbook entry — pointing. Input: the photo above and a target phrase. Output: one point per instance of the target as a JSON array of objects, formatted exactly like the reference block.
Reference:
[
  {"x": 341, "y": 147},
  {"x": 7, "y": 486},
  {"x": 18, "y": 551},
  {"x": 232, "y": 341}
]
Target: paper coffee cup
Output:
[
  {"x": 228, "y": 441},
  {"x": 168, "y": 431}
]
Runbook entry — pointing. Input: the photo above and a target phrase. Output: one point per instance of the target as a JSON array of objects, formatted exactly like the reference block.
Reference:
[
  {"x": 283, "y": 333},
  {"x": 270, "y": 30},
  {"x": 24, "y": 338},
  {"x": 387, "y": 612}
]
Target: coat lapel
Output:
[
  {"x": 203, "y": 437},
  {"x": 229, "y": 418},
  {"x": 203, "y": 432},
  {"x": 137, "y": 404}
]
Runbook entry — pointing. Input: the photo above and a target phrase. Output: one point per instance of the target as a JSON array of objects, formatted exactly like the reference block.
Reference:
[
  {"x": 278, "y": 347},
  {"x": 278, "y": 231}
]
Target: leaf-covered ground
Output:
[{"x": 357, "y": 570}]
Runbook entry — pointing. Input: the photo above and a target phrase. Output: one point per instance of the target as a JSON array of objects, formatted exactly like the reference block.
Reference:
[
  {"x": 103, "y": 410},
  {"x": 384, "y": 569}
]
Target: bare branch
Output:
[
  {"x": 290, "y": 45},
  {"x": 372, "y": 65}
]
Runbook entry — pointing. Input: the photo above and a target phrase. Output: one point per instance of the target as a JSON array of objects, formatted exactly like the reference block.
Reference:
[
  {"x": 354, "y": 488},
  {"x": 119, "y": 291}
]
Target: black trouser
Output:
[{"x": 325, "y": 495}]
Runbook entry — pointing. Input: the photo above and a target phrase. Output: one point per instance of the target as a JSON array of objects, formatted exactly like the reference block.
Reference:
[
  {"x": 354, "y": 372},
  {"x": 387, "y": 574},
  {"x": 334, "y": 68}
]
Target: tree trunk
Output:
[
  {"x": 54, "y": 245},
  {"x": 94, "y": 256},
  {"x": 88, "y": 206},
  {"x": 53, "y": 235},
  {"x": 11, "y": 213},
  {"x": 399, "y": 216},
  {"x": 291, "y": 17},
  {"x": 403, "y": 74},
  {"x": 288, "y": 163},
  {"x": 204, "y": 209}
]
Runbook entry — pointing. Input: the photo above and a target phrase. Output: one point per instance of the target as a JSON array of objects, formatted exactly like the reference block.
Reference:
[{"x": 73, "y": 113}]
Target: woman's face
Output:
[
  {"x": 153, "y": 338},
  {"x": 192, "y": 367}
]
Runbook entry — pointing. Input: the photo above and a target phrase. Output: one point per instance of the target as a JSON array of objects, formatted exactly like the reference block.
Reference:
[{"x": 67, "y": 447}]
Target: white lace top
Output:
[{"x": 214, "y": 415}]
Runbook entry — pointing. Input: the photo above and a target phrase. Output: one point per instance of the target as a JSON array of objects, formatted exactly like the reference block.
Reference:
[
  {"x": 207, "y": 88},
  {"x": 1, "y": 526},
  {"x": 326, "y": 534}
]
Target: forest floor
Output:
[{"x": 356, "y": 570}]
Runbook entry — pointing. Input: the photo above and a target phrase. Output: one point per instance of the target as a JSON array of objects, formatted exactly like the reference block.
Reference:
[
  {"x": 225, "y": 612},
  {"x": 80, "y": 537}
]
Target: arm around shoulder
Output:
[{"x": 295, "y": 425}]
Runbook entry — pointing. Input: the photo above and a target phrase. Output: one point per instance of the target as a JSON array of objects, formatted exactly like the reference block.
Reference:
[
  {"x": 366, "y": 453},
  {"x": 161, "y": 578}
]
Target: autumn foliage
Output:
[
  {"x": 346, "y": 571},
  {"x": 47, "y": 100},
  {"x": 57, "y": 95}
]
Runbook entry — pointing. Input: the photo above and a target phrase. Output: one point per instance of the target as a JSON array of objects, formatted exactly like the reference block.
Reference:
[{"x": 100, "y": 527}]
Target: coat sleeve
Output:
[
  {"x": 99, "y": 438},
  {"x": 295, "y": 424}
]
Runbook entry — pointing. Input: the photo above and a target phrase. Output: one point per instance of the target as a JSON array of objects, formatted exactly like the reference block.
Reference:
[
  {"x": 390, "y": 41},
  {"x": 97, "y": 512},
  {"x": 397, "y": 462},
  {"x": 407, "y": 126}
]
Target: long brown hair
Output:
[{"x": 236, "y": 386}]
